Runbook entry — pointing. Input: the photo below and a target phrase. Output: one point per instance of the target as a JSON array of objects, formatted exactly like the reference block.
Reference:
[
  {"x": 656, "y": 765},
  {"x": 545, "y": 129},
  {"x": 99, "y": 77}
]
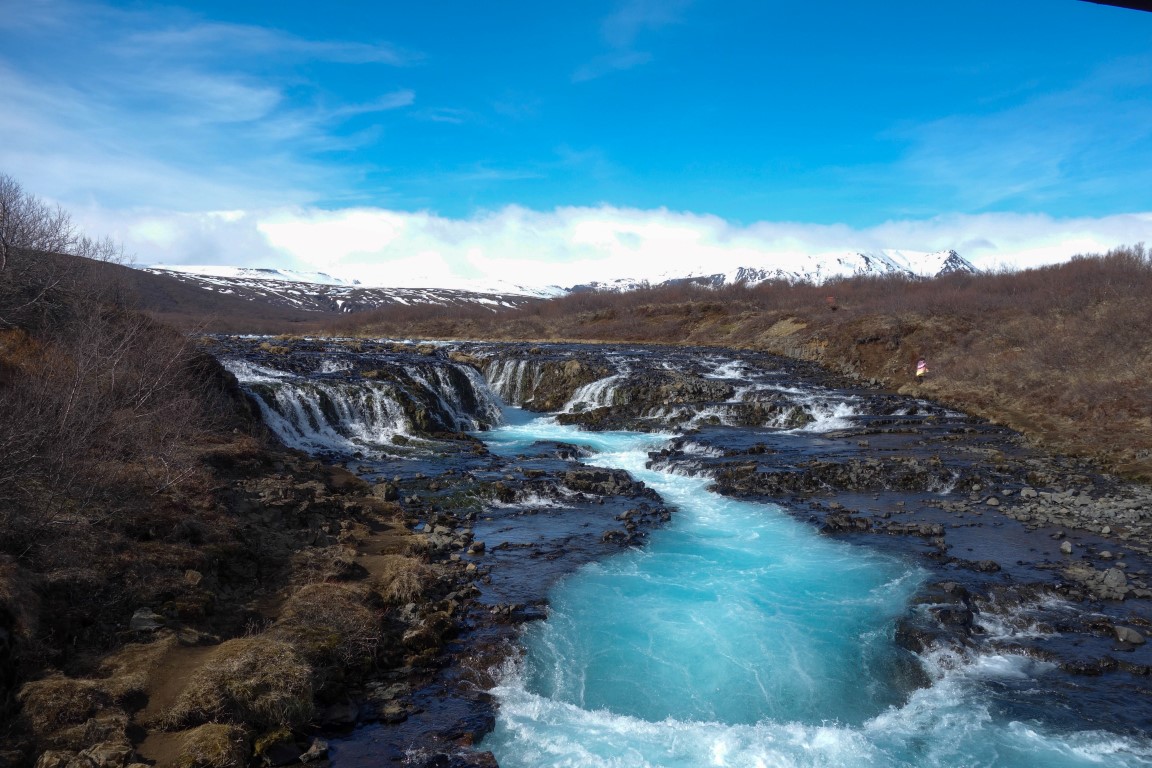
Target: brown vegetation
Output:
[
  {"x": 136, "y": 483},
  {"x": 249, "y": 680},
  {"x": 1061, "y": 353}
]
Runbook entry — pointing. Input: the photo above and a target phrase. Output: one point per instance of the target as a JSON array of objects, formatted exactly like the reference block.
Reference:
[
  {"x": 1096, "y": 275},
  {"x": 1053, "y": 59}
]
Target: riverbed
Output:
[{"x": 795, "y": 570}]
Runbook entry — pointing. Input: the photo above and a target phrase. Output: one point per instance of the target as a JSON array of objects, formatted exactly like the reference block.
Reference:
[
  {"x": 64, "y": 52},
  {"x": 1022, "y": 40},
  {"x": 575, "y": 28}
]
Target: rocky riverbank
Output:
[
  {"x": 1035, "y": 554},
  {"x": 384, "y": 595}
]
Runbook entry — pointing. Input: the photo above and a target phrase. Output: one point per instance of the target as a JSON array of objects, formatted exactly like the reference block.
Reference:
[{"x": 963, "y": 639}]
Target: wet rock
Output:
[
  {"x": 145, "y": 620},
  {"x": 842, "y": 522},
  {"x": 340, "y": 714},
  {"x": 1128, "y": 635},
  {"x": 604, "y": 482},
  {"x": 1114, "y": 578},
  {"x": 386, "y": 491},
  {"x": 282, "y": 751},
  {"x": 317, "y": 750},
  {"x": 1090, "y": 667}
]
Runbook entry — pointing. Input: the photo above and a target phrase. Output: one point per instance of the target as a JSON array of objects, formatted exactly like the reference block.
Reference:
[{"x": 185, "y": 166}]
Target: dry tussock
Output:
[
  {"x": 126, "y": 671},
  {"x": 401, "y": 579},
  {"x": 66, "y": 713},
  {"x": 332, "y": 625},
  {"x": 214, "y": 745},
  {"x": 255, "y": 680},
  {"x": 332, "y": 563}
]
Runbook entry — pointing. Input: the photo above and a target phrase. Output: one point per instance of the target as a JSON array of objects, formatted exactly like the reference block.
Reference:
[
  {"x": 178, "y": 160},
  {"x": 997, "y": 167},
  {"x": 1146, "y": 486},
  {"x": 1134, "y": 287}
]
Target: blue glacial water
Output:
[{"x": 739, "y": 637}]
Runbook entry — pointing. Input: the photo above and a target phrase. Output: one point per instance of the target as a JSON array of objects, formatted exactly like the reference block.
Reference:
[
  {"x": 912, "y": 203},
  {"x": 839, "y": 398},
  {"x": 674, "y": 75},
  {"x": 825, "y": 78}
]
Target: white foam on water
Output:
[
  {"x": 531, "y": 501},
  {"x": 828, "y": 417},
  {"x": 699, "y": 449},
  {"x": 335, "y": 366},
  {"x": 729, "y": 369},
  {"x": 250, "y": 373},
  {"x": 596, "y": 394}
]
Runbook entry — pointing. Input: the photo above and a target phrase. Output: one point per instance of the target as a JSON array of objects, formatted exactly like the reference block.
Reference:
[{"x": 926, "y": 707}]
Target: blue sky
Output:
[{"x": 828, "y": 124}]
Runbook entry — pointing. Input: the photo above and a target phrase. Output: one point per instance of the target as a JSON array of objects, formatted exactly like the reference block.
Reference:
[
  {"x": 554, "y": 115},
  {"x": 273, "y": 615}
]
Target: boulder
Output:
[
  {"x": 108, "y": 755},
  {"x": 318, "y": 750},
  {"x": 145, "y": 620},
  {"x": 1128, "y": 635}
]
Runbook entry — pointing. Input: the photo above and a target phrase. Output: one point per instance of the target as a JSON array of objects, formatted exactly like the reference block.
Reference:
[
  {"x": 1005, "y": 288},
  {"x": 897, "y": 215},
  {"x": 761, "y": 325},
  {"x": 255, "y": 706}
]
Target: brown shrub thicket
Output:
[{"x": 104, "y": 415}]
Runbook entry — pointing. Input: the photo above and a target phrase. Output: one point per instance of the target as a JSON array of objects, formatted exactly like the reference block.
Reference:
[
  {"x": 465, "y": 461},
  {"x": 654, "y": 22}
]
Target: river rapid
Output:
[{"x": 785, "y": 580}]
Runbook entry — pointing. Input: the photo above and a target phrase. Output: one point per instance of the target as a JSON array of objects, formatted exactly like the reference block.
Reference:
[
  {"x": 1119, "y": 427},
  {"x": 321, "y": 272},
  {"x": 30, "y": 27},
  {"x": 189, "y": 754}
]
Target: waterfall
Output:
[
  {"x": 514, "y": 381},
  {"x": 598, "y": 394},
  {"x": 344, "y": 413}
]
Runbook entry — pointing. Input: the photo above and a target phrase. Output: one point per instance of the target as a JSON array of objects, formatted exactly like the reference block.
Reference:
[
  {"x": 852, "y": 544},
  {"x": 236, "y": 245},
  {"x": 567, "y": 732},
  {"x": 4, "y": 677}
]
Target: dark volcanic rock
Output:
[{"x": 604, "y": 482}]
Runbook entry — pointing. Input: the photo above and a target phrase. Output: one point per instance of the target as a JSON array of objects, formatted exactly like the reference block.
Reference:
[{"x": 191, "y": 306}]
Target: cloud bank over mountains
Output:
[{"x": 572, "y": 245}]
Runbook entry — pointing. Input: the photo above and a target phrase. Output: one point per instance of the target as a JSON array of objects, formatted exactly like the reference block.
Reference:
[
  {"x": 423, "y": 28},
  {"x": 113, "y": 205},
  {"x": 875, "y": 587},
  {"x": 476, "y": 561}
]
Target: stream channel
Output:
[{"x": 795, "y": 571}]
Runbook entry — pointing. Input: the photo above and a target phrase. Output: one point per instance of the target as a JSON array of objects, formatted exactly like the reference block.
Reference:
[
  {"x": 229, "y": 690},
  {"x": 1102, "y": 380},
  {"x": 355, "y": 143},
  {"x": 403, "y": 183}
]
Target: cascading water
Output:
[
  {"x": 512, "y": 380},
  {"x": 597, "y": 394},
  {"x": 741, "y": 638},
  {"x": 332, "y": 411},
  {"x": 738, "y": 636}
]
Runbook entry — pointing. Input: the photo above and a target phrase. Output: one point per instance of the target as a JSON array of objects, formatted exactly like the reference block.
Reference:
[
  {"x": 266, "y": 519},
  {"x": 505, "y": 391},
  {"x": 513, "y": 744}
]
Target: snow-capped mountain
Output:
[
  {"x": 812, "y": 269},
  {"x": 318, "y": 292},
  {"x": 222, "y": 273}
]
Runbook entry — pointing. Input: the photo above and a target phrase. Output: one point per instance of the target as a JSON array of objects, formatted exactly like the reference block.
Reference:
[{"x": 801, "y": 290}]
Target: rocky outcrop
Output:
[
  {"x": 536, "y": 381},
  {"x": 895, "y": 473},
  {"x": 605, "y": 482}
]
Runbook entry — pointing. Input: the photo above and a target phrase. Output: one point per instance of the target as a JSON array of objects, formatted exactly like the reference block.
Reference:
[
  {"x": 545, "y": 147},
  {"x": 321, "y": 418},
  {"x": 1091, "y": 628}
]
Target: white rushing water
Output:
[
  {"x": 739, "y": 637},
  {"x": 345, "y": 414}
]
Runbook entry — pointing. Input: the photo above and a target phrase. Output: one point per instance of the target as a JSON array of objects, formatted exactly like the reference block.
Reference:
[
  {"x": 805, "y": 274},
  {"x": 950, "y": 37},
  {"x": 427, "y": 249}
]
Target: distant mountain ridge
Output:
[
  {"x": 320, "y": 292},
  {"x": 811, "y": 269}
]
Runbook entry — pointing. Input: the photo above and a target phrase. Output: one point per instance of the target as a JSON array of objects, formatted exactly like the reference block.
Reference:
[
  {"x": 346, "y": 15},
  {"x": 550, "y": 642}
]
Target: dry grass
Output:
[
  {"x": 126, "y": 671},
  {"x": 251, "y": 680},
  {"x": 332, "y": 563},
  {"x": 57, "y": 702},
  {"x": 334, "y": 627},
  {"x": 401, "y": 580},
  {"x": 214, "y": 745}
]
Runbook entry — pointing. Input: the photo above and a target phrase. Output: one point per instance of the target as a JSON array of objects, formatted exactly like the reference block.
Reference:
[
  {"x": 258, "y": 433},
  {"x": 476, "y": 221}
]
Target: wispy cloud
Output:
[
  {"x": 389, "y": 101},
  {"x": 620, "y": 31},
  {"x": 610, "y": 62},
  {"x": 453, "y": 115},
  {"x": 216, "y": 39},
  {"x": 1062, "y": 145},
  {"x": 621, "y": 27},
  {"x": 182, "y": 112}
]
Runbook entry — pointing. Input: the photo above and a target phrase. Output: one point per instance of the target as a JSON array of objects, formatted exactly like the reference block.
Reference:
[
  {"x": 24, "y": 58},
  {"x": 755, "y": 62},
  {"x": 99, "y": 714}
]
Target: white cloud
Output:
[
  {"x": 567, "y": 246},
  {"x": 157, "y": 105}
]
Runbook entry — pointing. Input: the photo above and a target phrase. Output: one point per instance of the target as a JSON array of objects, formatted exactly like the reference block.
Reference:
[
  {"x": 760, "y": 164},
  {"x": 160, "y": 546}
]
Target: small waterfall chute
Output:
[{"x": 341, "y": 412}]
